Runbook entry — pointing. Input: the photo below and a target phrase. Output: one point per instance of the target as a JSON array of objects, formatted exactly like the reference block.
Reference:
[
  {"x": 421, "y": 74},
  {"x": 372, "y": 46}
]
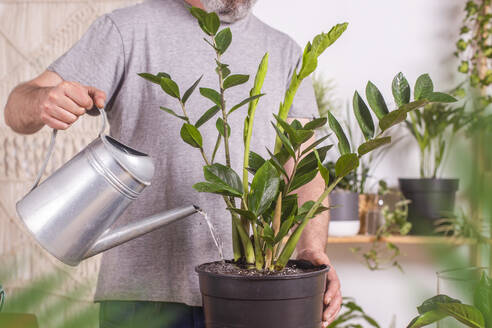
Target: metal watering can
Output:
[{"x": 71, "y": 212}]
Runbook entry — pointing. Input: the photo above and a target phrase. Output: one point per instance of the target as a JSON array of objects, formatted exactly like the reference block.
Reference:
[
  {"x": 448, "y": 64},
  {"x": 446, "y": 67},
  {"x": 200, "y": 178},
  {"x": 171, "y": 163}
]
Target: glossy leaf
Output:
[
  {"x": 212, "y": 95},
  {"x": 300, "y": 180},
  {"x": 309, "y": 62},
  {"x": 173, "y": 113},
  {"x": 343, "y": 143},
  {"x": 235, "y": 79},
  {"x": 324, "y": 40},
  {"x": 274, "y": 160},
  {"x": 431, "y": 303},
  {"x": 212, "y": 22},
  {"x": 150, "y": 77},
  {"x": 264, "y": 188},
  {"x": 170, "y": 87},
  {"x": 223, "y": 40},
  {"x": 346, "y": 164},
  {"x": 372, "y": 144},
  {"x": 188, "y": 92},
  {"x": 316, "y": 123},
  {"x": 244, "y": 213},
  {"x": 207, "y": 116},
  {"x": 244, "y": 102},
  {"x": 306, "y": 207},
  {"x": 268, "y": 235},
  {"x": 223, "y": 175},
  {"x": 376, "y": 100},
  {"x": 310, "y": 162},
  {"x": 255, "y": 161},
  {"x": 325, "y": 174},
  {"x": 401, "y": 89},
  {"x": 223, "y": 69},
  {"x": 467, "y": 314},
  {"x": 190, "y": 134},
  {"x": 315, "y": 144},
  {"x": 215, "y": 189},
  {"x": 284, "y": 228},
  {"x": 426, "y": 319},
  {"x": 220, "y": 127},
  {"x": 423, "y": 87},
  {"x": 286, "y": 143},
  {"x": 363, "y": 116},
  {"x": 441, "y": 97},
  {"x": 400, "y": 115}
]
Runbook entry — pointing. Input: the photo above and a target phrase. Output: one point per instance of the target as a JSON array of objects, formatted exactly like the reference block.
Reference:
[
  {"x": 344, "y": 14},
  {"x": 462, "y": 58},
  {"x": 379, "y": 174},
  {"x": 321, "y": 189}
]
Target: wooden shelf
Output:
[{"x": 410, "y": 240}]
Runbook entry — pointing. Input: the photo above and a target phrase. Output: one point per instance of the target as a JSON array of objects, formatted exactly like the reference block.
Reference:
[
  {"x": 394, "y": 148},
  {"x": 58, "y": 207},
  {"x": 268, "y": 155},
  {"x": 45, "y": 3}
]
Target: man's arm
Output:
[
  {"x": 312, "y": 243},
  {"x": 50, "y": 100}
]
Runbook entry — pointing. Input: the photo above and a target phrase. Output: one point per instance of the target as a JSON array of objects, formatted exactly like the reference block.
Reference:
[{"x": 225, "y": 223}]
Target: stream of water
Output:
[{"x": 215, "y": 235}]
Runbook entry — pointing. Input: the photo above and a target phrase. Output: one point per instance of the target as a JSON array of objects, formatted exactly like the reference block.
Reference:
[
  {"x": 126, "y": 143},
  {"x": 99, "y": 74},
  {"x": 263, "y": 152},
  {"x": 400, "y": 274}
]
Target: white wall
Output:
[{"x": 383, "y": 38}]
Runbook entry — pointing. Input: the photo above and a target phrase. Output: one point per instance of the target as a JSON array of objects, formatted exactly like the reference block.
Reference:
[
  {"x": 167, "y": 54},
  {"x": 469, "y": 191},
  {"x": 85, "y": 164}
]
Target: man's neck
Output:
[{"x": 195, "y": 3}]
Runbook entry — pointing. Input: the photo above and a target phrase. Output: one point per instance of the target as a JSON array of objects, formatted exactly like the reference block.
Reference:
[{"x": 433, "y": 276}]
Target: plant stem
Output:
[
  {"x": 259, "y": 259},
  {"x": 290, "y": 246}
]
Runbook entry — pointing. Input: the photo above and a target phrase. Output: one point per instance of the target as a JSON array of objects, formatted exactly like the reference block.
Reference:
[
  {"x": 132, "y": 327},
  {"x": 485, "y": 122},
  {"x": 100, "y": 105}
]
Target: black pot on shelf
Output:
[
  {"x": 287, "y": 301},
  {"x": 430, "y": 200},
  {"x": 344, "y": 216}
]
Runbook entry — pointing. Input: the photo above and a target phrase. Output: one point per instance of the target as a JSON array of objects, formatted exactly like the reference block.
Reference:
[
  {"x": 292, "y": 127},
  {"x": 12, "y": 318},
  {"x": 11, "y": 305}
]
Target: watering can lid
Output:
[{"x": 138, "y": 164}]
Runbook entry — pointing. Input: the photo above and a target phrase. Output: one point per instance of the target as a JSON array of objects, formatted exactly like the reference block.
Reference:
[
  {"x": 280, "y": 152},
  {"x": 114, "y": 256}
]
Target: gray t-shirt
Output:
[{"x": 161, "y": 36}]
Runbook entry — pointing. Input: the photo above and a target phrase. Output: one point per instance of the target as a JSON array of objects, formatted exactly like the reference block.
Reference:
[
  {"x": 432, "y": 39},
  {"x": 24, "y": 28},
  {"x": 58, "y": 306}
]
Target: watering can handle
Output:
[{"x": 52, "y": 146}]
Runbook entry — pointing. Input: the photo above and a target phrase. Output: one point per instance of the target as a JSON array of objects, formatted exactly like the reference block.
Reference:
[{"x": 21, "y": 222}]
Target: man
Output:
[{"x": 153, "y": 276}]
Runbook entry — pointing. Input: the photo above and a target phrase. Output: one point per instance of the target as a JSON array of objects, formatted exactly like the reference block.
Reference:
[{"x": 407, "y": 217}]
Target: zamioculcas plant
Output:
[{"x": 262, "y": 200}]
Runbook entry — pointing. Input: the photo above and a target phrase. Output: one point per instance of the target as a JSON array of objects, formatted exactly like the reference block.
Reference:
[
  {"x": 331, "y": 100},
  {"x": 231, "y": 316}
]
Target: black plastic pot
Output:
[
  {"x": 430, "y": 200},
  {"x": 18, "y": 320},
  {"x": 234, "y": 301}
]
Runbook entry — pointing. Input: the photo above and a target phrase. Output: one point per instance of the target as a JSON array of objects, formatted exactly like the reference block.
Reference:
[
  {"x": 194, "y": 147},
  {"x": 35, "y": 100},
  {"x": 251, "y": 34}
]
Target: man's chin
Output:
[{"x": 229, "y": 11}]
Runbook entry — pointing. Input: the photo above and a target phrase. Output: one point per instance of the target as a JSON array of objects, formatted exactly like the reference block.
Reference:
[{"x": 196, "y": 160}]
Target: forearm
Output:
[
  {"x": 316, "y": 232},
  {"x": 22, "y": 109}
]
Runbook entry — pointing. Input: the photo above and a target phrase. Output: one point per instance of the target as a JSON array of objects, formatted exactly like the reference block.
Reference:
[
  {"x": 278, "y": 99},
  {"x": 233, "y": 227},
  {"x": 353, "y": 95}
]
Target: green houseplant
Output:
[
  {"x": 266, "y": 218},
  {"x": 12, "y": 320}
]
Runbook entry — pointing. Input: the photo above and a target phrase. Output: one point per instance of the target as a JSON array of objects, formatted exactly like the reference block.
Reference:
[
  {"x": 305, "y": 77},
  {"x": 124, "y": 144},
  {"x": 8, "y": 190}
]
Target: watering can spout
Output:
[{"x": 114, "y": 237}]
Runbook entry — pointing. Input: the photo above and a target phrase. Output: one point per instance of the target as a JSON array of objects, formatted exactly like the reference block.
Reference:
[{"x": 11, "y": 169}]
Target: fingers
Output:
[
  {"x": 69, "y": 105},
  {"x": 333, "y": 286},
  {"x": 98, "y": 96},
  {"x": 77, "y": 93},
  {"x": 332, "y": 310},
  {"x": 54, "y": 123}
]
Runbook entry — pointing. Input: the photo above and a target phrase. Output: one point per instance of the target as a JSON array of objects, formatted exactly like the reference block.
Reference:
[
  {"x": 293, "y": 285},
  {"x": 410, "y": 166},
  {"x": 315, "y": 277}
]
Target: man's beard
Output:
[{"x": 229, "y": 11}]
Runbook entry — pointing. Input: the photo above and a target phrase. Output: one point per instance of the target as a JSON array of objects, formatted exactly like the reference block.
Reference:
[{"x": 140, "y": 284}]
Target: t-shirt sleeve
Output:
[
  {"x": 97, "y": 59},
  {"x": 304, "y": 105}
]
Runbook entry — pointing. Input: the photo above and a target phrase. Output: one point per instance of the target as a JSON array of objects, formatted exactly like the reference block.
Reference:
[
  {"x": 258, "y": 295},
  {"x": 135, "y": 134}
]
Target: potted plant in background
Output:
[
  {"x": 433, "y": 129},
  {"x": 261, "y": 287}
]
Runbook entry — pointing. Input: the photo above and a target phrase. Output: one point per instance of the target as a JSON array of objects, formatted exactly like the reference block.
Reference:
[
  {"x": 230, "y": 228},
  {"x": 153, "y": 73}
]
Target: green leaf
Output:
[
  {"x": 212, "y": 22},
  {"x": 173, "y": 113},
  {"x": 274, "y": 160},
  {"x": 284, "y": 228},
  {"x": 310, "y": 162},
  {"x": 268, "y": 235},
  {"x": 467, "y": 314},
  {"x": 324, "y": 40},
  {"x": 255, "y": 161},
  {"x": 291, "y": 132},
  {"x": 188, "y": 92},
  {"x": 325, "y": 174},
  {"x": 212, "y": 95},
  {"x": 224, "y": 176},
  {"x": 376, "y": 100},
  {"x": 363, "y": 116},
  {"x": 300, "y": 180},
  {"x": 423, "y": 87},
  {"x": 286, "y": 143},
  {"x": 150, "y": 77},
  {"x": 244, "y": 213},
  {"x": 315, "y": 144},
  {"x": 401, "y": 89},
  {"x": 343, "y": 143},
  {"x": 220, "y": 127},
  {"x": 191, "y": 135},
  {"x": 223, "y": 40},
  {"x": 207, "y": 116},
  {"x": 170, "y": 87},
  {"x": 215, "y": 189},
  {"x": 223, "y": 68},
  {"x": 441, "y": 97},
  {"x": 306, "y": 207},
  {"x": 431, "y": 303},
  {"x": 198, "y": 13},
  {"x": 244, "y": 102},
  {"x": 372, "y": 144},
  {"x": 316, "y": 123},
  {"x": 236, "y": 79},
  {"x": 426, "y": 319},
  {"x": 482, "y": 298},
  {"x": 309, "y": 63},
  {"x": 400, "y": 115},
  {"x": 264, "y": 188},
  {"x": 346, "y": 164}
]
